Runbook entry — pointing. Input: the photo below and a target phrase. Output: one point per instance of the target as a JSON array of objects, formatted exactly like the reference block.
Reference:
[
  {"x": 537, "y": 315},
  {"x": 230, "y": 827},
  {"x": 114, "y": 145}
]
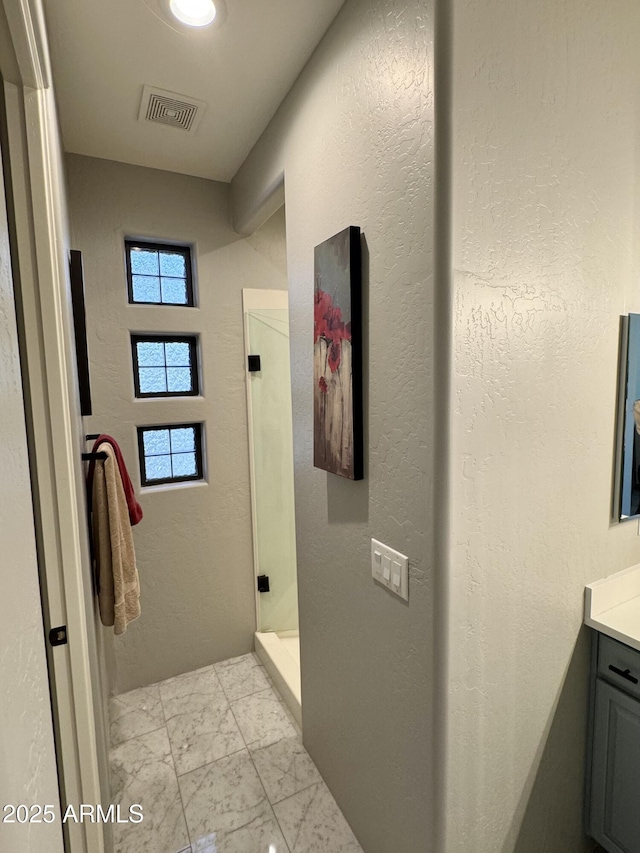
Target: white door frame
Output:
[
  {"x": 35, "y": 166},
  {"x": 26, "y": 731}
]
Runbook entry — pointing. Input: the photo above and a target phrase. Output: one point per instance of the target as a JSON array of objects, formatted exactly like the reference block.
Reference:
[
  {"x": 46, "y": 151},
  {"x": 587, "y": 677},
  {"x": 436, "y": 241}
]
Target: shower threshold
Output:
[{"x": 280, "y": 654}]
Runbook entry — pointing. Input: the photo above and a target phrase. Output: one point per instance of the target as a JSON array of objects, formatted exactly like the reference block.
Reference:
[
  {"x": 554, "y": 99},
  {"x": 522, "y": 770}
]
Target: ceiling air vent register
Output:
[{"x": 170, "y": 108}]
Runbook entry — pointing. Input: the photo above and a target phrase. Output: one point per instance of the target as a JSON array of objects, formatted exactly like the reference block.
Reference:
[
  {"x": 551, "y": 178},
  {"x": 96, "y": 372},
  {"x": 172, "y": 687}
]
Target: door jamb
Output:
[{"x": 40, "y": 228}]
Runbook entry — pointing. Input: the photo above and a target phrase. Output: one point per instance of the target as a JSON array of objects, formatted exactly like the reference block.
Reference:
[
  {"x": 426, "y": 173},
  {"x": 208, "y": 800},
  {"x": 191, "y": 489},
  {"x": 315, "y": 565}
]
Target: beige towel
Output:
[{"x": 116, "y": 572}]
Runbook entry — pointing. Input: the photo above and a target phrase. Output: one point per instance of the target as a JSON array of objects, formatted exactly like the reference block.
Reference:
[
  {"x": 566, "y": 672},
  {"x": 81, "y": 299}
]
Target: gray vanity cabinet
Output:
[{"x": 614, "y": 813}]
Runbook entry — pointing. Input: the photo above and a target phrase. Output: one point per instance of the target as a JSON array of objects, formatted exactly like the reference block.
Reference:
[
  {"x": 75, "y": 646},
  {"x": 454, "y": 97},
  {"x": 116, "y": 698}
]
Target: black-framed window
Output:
[
  {"x": 170, "y": 454},
  {"x": 165, "y": 365},
  {"x": 159, "y": 274}
]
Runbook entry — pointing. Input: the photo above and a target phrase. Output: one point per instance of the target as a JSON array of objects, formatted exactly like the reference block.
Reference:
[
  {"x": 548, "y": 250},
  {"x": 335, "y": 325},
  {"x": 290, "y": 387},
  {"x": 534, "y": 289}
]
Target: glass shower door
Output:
[{"x": 271, "y": 438}]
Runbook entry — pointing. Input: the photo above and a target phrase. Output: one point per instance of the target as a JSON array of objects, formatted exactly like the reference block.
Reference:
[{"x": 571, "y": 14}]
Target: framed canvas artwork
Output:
[
  {"x": 628, "y": 473},
  {"x": 76, "y": 276},
  {"x": 337, "y": 356}
]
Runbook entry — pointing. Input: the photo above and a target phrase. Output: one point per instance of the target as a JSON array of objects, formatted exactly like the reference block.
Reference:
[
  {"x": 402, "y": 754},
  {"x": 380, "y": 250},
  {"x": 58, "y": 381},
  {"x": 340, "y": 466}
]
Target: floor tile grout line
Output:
[
  {"x": 122, "y": 719},
  {"x": 257, "y": 665},
  {"x": 298, "y": 735},
  {"x": 275, "y": 817},
  {"x": 244, "y": 740},
  {"x": 208, "y": 764},
  {"x": 245, "y": 749},
  {"x": 211, "y": 763},
  {"x": 304, "y": 816},
  {"x": 186, "y": 713},
  {"x": 228, "y": 700},
  {"x": 226, "y": 695},
  {"x": 256, "y": 693},
  {"x": 273, "y": 690},
  {"x": 269, "y": 803},
  {"x": 171, "y": 755},
  {"x": 239, "y": 699},
  {"x": 113, "y": 746},
  {"x": 175, "y": 770},
  {"x": 299, "y": 791}
]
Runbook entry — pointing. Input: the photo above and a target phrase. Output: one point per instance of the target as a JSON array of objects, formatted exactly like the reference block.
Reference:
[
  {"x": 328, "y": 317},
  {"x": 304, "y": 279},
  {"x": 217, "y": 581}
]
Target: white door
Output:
[
  {"x": 33, "y": 159},
  {"x": 28, "y": 774}
]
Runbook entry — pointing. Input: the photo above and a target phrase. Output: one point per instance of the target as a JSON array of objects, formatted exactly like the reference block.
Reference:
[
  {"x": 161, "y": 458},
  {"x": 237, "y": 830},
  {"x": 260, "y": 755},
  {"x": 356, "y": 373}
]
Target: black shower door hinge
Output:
[
  {"x": 58, "y": 636},
  {"x": 263, "y": 583},
  {"x": 253, "y": 365}
]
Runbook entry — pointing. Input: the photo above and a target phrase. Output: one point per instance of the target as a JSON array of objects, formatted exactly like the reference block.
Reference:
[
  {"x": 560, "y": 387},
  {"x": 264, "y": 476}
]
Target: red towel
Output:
[{"x": 135, "y": 510}]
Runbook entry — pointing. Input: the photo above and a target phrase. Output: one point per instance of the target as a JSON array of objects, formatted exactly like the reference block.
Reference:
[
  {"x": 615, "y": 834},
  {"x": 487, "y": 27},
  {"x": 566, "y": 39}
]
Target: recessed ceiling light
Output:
[{"x": 194, "y": 13}]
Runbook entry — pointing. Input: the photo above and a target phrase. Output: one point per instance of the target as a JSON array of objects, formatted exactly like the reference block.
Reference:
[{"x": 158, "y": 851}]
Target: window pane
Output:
[
  {"x": 174, "y": 291},
  {"x": 153, "y": 380},
  {"x": 179, "y": 380},
  {"x": 156, "y": 441},
  {"x": 144, "y": 262},
  {"x": 173, "y": 264},
  {"x": 178, "y": 354},
  {"x": 184, "y": 464},
  {"x": 183, "y": 440},
  {"x": 158, "y": 467},
  {"x": 150, "y": 354},
  {"x": 159, "y": 275},
  {"x": 165, "y": 366},
  {"x": 146, "y": 288},
  {"x": 171, "y": 453}
]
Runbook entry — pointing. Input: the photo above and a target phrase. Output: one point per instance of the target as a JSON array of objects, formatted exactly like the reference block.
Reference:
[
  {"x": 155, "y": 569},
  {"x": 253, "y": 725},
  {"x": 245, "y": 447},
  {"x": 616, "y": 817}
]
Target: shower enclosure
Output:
[{"x": 266, "y": 328}]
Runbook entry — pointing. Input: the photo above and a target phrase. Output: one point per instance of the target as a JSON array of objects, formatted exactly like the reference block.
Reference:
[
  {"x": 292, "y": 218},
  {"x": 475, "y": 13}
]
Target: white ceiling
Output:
[{"x": 104, "y": 51}]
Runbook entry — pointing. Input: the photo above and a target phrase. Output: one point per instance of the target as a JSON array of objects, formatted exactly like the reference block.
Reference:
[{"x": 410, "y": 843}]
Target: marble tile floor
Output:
[{"x": 217, "y": 763}]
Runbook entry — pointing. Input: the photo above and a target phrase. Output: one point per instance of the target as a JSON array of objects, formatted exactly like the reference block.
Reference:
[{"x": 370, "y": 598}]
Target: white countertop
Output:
[{"x": 612, "y": 606}]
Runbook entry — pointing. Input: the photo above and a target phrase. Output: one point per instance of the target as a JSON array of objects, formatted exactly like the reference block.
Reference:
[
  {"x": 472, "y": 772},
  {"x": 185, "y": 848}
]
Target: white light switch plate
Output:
[{"x": 390, "y": 568}]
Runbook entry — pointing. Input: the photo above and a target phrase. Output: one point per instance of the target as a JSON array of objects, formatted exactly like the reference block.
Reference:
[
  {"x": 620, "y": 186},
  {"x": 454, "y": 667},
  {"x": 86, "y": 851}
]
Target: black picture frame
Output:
[{"x": 76, "y": 278}]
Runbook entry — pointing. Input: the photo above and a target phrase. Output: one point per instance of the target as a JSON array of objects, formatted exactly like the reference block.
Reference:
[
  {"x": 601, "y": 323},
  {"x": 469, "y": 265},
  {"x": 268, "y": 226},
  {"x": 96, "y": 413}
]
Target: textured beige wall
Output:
[
  {"x": 546, "y": 258},
  {"x": 354, "y": 141},
  {"x": 194, "y": 545}
]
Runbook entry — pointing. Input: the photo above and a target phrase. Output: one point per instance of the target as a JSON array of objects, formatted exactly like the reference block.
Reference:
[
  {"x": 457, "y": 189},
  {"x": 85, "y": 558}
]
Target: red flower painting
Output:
[
  {"x": 337, "y": 433},
  {"x": 328, "y": 324}
]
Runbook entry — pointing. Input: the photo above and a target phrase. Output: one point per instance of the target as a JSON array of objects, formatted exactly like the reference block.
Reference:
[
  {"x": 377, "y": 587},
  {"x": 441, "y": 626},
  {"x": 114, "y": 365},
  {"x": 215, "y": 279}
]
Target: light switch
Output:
[
  {"x": 390, "y": 568},
  {"x": 386, "y": 567}
]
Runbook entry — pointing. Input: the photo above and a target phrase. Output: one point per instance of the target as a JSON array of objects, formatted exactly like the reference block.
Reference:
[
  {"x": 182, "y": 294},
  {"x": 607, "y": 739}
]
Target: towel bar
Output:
[{"x": 87, "y": 457}]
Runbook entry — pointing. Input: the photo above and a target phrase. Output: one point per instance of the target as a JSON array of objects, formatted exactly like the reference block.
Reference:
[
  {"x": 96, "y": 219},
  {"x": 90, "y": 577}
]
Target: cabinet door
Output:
[{"x": 615, "y": 789}]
